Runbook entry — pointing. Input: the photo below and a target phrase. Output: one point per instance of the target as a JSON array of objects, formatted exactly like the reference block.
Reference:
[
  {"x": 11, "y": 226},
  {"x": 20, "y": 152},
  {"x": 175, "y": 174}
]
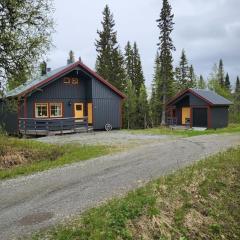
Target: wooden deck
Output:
[{"x": 58, "y": 126}]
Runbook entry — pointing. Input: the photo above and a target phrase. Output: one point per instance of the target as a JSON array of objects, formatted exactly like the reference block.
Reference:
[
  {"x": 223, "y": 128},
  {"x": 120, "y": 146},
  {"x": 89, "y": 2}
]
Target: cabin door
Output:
[{"x": 78, "y": 110}]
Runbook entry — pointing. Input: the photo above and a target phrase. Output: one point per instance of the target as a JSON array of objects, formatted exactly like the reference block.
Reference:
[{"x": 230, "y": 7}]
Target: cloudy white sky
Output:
[{"x": 207, "y": 30}]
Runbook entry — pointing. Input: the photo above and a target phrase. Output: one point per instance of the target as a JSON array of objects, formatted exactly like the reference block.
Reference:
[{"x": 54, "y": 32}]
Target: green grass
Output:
[
  {"x": 23, "y": 157},
  {"x": 232, "y": 128},
  {"x": 199, "y": 202}
]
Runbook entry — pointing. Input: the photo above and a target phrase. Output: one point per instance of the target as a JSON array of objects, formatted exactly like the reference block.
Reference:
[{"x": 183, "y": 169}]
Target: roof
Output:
[
  {"x": 34, "y": 84},
  {"x": 208, "y": 96}
]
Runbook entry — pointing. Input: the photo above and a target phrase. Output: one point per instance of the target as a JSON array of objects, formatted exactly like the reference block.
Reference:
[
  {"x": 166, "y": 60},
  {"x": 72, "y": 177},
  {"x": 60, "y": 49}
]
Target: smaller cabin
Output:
[
  {"x": 69, "y": 99},
  {"x": 198, "y": 108}
]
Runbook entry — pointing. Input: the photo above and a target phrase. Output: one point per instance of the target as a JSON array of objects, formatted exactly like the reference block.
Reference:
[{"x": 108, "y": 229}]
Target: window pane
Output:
[
  {"x": 41, "y": 110},
  {"x": 79, "y": 107},
  {"x": 56, "y": 110}
]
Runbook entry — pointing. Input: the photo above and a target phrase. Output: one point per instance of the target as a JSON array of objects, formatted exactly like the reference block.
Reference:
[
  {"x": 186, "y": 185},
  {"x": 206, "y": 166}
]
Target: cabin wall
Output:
[
  {"x": 106, "y": 106},
  {"x": 219, "y": 117},
  {"x": 58, "y": 91}
]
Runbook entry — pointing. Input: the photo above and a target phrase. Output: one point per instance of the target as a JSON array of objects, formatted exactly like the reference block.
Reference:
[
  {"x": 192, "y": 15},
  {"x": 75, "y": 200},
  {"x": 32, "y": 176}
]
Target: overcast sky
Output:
[{"x": 207, "y": 30}]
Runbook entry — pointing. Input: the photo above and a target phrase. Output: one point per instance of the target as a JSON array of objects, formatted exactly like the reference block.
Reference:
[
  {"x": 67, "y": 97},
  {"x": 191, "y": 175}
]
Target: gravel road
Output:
[
  {"x": 107, "y": 138},
  {"x": 31, "y": 203}
]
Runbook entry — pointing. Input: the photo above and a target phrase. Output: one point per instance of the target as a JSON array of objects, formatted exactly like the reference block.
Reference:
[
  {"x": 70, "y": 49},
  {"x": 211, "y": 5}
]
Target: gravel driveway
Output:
[
  {"x": 105, "y": 138},
  {"x": 31, "y": 203}
]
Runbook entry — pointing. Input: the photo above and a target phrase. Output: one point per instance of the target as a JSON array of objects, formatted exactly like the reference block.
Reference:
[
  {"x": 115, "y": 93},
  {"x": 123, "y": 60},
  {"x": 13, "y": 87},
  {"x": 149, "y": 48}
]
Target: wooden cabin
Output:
[
  {"x": 198, "y": 108},
  {"x": 68, "y": 99}
]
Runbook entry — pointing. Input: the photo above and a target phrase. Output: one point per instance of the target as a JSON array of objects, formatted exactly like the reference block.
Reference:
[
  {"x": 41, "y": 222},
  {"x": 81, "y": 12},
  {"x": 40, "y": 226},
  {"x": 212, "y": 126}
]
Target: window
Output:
[
  {"x": 67, "y": 80},
  {"x": 41, "y": 110},
  {"x": 74, "y": 81},
  {"x": 55, "y": 109},
  {"x": 79, "y": 107}
]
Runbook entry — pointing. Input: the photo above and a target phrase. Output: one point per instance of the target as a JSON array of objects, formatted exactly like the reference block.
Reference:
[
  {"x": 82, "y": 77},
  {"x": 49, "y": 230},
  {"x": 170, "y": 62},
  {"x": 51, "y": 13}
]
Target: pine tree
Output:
[
  {"x": 227, "y": 83},
  {"x": 214, "y": 84},
  {"x": 129, "y": 60},
  {"x": 156, "y": 97},
  {"x": 235, "y": 109},
  {"x": 138, "y": 78},
  {"x": 237, "y": 88},
  {"x": 143, "y": 108},
  {"x": 134, "y": 73},
  {"x": 192, "y": 78},
  {"x": 165, "y": 25},
  {"x": 221, "y": 73},
  {"x": 130, "y": 105},
  {"x": 201, "y": 83},
  {"x": 110, "y": 62},
  {"x": 182, "y": 72}
]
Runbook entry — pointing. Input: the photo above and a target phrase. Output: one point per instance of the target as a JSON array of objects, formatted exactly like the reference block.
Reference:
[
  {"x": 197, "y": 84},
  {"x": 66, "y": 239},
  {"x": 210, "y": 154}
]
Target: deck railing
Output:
[
  {"x": 171, "y": 121},
  {"x": 47, "y": 125}
]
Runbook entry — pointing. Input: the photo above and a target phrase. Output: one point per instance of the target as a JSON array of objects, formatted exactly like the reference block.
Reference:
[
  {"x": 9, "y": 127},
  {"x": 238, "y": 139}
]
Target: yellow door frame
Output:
[
  {"x": 90, "y": 112},
  {"x": 185, "y": 114}
]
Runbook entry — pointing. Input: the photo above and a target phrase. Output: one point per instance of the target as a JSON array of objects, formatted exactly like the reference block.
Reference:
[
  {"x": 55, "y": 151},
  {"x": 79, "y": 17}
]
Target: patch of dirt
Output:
[
  {"x": 35, "y": 218},
  {"x": 11, "y": 157}
]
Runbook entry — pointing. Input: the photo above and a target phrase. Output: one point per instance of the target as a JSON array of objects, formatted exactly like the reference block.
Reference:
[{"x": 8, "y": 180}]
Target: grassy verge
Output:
[
  {"x": 199, "y": 202},
  {"x": 23, "y": 157},
  {"x": 232, "y": 128}
]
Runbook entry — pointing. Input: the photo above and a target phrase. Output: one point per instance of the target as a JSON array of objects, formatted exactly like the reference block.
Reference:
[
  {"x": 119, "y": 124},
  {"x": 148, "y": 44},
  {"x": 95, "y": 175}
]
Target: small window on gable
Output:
[
  {"x": 74, "y": 81},
  {"x": 67, "y": 80}
]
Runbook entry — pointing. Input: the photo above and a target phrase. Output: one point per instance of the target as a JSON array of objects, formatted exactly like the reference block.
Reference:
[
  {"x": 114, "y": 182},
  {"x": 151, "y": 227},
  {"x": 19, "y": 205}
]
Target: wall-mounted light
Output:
[{"x": 70, "y": 103}]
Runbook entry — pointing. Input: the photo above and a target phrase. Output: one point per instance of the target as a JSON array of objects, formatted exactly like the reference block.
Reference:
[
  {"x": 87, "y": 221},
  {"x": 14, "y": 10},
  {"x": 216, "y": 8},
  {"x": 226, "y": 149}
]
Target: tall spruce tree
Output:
[
  {"x": 192, "y": 78},
  {"x": 143, "y": 108},
  {"x": 110, "y": 62},
  {"x": 227, "y": 82},
  {"x": 138, "y": 78},
  {"x": 156, "y": 97},
  {"x": 201, "y": 83},
  {"x": 130, "y": 106},
  {"x": 235, "y": 109},
  {"x": 237, "y": 88},
  {"x": 165, "y": 25},
  {"x": 182, "y": 72},
  {"x": 221, "y": 73},
  {"x": 134, "y": 73}
]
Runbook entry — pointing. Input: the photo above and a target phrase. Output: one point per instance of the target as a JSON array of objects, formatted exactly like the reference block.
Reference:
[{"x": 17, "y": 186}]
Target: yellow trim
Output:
[
  {"x": 90, "y": 112},
  {"x": 185, "y": 114},
  {"x": 78, "y": 113}
]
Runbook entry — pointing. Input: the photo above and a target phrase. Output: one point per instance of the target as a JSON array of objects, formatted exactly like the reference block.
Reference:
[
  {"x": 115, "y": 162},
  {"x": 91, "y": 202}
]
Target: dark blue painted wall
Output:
[
  {"x": 106, "y": 103},
  {"x": 106, "y": 106},
  {"x": 219, "y": 117}
]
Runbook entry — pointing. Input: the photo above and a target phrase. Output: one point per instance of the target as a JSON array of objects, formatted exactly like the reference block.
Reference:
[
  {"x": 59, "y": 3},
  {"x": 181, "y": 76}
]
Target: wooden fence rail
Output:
[{"x": 46, "y": 126}]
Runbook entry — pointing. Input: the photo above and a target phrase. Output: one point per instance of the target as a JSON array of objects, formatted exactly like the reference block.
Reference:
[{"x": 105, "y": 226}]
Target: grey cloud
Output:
[{"x": 208, "y": 30}]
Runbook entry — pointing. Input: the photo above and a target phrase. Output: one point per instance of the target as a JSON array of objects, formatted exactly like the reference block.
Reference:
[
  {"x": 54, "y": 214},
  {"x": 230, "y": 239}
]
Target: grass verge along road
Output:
[
  {"x": 232, "y": 128},
  {"x": 23, "y": 157}
]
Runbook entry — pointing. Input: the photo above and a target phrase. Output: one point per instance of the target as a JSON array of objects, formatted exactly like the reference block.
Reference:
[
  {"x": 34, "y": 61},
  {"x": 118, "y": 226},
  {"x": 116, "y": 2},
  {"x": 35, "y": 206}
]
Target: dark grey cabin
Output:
[
  {"x": 63, "y": 101},
  {"x": 198, "y": 108}
]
